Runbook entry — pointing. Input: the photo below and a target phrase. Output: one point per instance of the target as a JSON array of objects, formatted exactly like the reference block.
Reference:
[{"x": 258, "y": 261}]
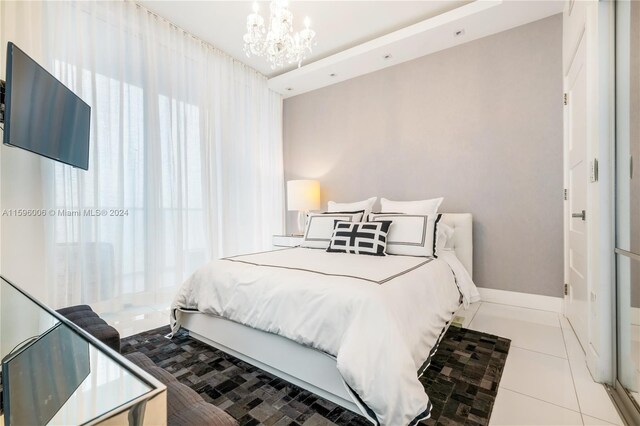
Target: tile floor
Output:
[
  {"x": 545, "y": 382},
  {"x": 135, "y": 319}
]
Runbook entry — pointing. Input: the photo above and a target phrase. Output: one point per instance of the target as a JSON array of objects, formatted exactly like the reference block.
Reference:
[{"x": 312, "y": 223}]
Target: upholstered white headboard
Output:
[{"x": 462, "y": 224}]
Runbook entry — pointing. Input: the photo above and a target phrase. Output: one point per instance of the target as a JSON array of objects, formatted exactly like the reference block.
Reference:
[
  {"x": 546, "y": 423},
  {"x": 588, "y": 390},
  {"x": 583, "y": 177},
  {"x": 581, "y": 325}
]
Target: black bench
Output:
[
  {"x": 185, "y": 407},
  {"x": 84, "y": 317}
]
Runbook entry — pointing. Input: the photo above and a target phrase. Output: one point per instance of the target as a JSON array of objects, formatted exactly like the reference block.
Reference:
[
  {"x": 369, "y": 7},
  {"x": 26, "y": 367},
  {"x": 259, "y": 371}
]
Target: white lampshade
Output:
[{"x": 303, "y": 195}]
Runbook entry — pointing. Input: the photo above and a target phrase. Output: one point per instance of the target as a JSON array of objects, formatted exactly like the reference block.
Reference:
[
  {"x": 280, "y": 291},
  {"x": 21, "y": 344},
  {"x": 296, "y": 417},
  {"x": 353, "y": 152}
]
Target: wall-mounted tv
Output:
[{"x": 42, "y": 115}]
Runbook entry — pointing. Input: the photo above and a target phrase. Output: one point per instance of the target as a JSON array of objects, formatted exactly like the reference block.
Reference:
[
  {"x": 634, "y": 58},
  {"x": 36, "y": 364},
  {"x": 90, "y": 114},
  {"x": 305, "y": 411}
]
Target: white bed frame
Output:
[{"x": 303, "y": 366}]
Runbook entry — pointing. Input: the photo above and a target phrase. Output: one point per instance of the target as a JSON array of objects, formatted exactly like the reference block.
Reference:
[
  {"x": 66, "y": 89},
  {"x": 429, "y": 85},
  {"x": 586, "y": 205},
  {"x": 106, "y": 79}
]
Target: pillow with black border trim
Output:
[
  {"x": 354, "y": 211},
  {"x": 319, "y": 227},
  {"x": 368, "y": 238},
  {"x": 411, "y": 234}
]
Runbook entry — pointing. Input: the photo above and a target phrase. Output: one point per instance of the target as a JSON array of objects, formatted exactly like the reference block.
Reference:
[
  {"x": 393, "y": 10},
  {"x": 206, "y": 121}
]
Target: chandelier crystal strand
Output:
[{"x": 279, "y": 44}]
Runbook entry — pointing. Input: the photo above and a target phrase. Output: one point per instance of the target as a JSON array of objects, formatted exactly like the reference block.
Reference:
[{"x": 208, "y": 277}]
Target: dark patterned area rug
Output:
[{"x": 462, "y": 381}]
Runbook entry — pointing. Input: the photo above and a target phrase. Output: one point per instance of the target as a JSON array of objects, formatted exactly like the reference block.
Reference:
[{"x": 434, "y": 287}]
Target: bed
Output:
[{"x": 356, "y": 330}]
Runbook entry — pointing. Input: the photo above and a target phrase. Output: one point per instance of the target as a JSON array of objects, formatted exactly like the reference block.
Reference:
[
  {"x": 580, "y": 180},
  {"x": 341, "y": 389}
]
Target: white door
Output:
[{"x": 578, "y": 174}]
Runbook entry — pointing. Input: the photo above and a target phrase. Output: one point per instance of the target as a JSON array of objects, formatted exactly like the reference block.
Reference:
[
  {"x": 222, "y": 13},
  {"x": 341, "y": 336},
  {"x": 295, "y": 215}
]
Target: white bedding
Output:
[{"x": 379, "y": 316}]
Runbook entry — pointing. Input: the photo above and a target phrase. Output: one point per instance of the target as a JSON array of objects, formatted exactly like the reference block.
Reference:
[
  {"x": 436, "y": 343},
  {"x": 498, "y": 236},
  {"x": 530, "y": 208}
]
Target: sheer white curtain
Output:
[{"x": 185, "y": 157}]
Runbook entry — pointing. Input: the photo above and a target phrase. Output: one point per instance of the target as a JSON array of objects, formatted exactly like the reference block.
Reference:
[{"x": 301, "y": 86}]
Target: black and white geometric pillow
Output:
[{"x": 360, "y": 237}]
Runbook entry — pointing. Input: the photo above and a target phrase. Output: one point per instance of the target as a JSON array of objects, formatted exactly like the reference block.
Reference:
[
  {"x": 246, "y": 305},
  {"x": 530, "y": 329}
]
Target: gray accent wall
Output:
[{"x": 480, "y": 124}]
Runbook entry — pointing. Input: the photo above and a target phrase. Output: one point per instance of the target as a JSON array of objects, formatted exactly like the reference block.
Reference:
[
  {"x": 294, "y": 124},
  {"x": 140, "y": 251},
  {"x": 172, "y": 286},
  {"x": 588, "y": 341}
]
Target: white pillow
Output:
[
  {"x": 319, "y": 229},
  {"x": 410, "y": 234},
  {"x": 366, "y": 205},
  {"x": 444, "y": 237},
  {"x": 411, "y": 207}
]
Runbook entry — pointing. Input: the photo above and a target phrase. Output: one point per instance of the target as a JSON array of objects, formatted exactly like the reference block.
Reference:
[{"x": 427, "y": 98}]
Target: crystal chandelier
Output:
[{"x": 278, "y": 43}]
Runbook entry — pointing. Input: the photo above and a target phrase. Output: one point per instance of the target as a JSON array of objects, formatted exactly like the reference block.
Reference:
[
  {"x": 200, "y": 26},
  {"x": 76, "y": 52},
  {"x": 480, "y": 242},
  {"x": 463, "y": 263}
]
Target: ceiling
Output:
[
  {"x": 354, "y": 37},
  {"x": 339, "y": 25}
]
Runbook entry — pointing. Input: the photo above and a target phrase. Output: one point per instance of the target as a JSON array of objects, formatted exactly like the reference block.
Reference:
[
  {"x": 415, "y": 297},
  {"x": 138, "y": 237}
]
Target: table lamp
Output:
[{"x": 303, "y": 196}]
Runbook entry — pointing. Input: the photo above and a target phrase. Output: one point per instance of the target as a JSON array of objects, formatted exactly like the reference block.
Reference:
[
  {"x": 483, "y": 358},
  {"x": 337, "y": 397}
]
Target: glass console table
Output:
[{"x": 55, "y": 373}]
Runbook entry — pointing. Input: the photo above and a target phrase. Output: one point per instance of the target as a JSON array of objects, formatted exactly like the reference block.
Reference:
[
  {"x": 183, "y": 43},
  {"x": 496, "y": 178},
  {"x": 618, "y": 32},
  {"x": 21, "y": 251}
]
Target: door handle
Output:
[{"x": 582, "y": 215}]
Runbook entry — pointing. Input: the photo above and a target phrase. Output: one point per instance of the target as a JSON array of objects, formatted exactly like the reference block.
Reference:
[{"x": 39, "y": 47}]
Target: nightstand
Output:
[{"x": 286, "y": 240}]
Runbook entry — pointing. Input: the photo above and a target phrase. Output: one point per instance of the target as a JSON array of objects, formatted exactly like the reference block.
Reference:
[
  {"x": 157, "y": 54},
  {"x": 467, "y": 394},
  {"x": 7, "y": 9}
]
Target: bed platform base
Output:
[{"x": 305, "y": 367}]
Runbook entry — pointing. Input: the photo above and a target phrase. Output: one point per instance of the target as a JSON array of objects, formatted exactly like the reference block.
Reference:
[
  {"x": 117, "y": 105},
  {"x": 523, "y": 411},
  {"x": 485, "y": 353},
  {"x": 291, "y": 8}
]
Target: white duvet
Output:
[{"x": 381, "y": 317}]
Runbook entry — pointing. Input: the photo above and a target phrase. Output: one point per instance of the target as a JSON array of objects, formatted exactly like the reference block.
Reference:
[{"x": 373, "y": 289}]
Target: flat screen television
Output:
[
  {"x": 42, "y": 375},
  {"x": 42, "y": 115}
]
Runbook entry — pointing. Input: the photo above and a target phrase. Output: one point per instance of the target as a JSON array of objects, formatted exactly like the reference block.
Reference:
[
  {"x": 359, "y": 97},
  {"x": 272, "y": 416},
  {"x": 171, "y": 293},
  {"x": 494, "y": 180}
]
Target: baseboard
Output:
[
  {"x": 635, "y": 316},
  {"x": 523, "y": 300}
]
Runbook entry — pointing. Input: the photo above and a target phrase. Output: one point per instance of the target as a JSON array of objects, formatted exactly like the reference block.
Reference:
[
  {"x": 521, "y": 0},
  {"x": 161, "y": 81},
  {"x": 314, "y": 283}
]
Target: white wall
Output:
[{"x": 21, "y": 239}]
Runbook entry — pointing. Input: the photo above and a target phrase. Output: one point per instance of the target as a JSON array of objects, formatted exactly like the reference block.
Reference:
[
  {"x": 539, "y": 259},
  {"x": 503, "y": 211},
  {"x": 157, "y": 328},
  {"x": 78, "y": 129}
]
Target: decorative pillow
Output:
[
  {"x": 360, "y": 238},
  {"x": 412, "y": 207},
  {"x": 319, "y": 228},
  {"x": 372, "y": 214},
  {"x": 366, "y": 205},
  {"x": 411, "y": 234}
]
